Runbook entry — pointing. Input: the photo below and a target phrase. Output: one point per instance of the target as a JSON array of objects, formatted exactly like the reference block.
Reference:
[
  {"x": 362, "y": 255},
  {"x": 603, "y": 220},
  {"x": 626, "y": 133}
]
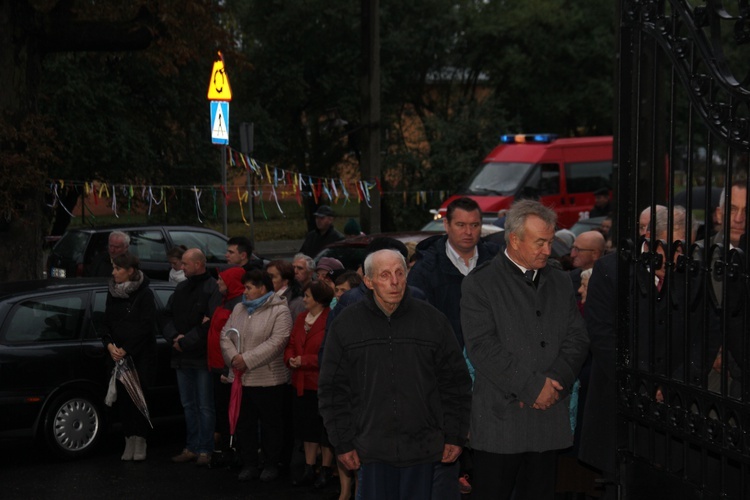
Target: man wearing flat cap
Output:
[
  {"x": 328, "y": 269},
  {"x": 603, "y": 205},
  {"x": 324, "y": 233}
]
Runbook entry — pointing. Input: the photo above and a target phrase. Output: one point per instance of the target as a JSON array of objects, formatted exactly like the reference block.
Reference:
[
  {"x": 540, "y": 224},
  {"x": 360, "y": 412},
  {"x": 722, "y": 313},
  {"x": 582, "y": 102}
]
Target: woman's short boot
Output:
[
  {"x": 129, "y": 448},
  {"x": 139, "y": 454},
  {"x": 323, "y": 478},
  {"x": 307, "y": 478}
]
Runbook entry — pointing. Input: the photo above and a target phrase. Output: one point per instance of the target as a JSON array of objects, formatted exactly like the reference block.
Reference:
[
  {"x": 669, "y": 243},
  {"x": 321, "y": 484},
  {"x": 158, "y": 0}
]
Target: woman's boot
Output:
[
  {"x": 308, "y": 477},
  {"x": 323, "y": 478},
  {"x": 139, "y": 454},
  {"x": 127, "y": 455}
]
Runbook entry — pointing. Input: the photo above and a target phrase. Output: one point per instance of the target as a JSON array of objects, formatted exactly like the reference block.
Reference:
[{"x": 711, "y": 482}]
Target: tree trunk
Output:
[
  {"x": 22, "y": 254},
  {"x": 21, "y": 201},
  {"x": 27, "y": 146}
]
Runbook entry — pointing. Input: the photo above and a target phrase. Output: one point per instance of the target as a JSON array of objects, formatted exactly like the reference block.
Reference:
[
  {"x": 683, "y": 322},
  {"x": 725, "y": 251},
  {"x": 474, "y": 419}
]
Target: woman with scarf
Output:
[
  {"x": 231, "y": 288},
  {"x": 128, "y": 330},
  {"x": 301, "y": 355},
  {"x": 264, "y": 323}
]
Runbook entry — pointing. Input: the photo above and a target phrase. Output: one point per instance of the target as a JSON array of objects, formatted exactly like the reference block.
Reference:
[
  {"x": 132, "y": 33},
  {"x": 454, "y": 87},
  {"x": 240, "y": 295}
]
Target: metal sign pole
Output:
[
  {"x": 224, "y": 184},
  {"x": 219, "y": 95}
]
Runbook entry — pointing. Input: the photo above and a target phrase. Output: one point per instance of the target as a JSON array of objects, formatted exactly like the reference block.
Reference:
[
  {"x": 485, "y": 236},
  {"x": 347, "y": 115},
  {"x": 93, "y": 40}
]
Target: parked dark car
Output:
[
  {"x": 53, "y": 366},
  {"x": 351, "y": 251},
  {"x": 74, "y": 253}
]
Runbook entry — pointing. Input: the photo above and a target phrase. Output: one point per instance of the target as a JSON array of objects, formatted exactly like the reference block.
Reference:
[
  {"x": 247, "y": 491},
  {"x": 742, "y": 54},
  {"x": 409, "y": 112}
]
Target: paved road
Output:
[{"x": 26, "y": 472}]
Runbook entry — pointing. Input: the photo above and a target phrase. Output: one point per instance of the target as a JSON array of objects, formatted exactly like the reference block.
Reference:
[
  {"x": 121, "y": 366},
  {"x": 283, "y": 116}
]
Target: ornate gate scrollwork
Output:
[{"x": 682, "y": 154}]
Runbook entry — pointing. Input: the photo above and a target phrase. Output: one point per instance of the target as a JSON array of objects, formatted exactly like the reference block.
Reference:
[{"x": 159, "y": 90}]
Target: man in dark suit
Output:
[
  {"x": 714, "y": 303},
  {"x": 660, "y": 300},
  {"x": 598, "y": 437},
  {"x": 527, "y": 341},
  {"x": 656, "y": 298}
]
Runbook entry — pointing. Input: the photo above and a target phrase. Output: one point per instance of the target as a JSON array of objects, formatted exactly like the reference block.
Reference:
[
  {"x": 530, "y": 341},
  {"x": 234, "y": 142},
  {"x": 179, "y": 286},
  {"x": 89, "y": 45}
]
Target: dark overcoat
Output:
[{"x": 517, "y": 334}]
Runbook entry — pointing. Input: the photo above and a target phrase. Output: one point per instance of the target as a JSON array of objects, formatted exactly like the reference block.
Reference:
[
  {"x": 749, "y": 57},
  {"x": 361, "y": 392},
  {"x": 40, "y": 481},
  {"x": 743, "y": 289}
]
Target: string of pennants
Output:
[{"x": 271, "y": 185}]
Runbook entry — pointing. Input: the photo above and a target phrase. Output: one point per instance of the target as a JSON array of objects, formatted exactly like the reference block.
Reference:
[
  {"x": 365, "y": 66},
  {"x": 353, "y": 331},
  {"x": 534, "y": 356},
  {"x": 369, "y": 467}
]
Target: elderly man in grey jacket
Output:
[{"x": 527, "y": 341}]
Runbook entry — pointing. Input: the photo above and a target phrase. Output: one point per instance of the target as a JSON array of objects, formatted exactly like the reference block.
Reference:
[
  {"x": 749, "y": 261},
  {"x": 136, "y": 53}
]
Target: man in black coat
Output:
[
  {"x": 659, "y": 301},
  {"x": 709, "y": 309},
  {"x": 240, "y": 253},
  {"x": 444, "y": 261},
  {"x": 598, "y": 436},
  {"x": 603, "y": 205},
  {"x": 324, "y": 234},
  {"x": 442, "y": 264},
  {"x": 189, "y": 312},
  {"x": 527, "y": 341},
  {"x": 360, "y": 292},
  {"x": 395, "y": 432},
  {"x": 117, "y": 244}
]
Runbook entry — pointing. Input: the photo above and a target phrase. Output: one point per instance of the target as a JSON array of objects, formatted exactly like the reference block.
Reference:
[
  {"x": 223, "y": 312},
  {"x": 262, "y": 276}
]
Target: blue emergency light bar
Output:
[{"x": 527, "y": 138}]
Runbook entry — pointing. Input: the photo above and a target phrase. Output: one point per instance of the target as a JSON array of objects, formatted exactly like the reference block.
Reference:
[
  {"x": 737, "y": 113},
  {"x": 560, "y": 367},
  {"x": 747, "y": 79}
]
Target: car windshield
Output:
[
  {"x": 72, "y": 245},
  {"x": 213, "y": 246},
  {"x": 497, "y": 178}
]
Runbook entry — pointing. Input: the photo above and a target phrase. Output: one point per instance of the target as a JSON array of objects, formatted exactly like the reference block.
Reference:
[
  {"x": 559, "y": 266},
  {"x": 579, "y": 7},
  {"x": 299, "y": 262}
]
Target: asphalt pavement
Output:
[{"x": 30, "y": 472}]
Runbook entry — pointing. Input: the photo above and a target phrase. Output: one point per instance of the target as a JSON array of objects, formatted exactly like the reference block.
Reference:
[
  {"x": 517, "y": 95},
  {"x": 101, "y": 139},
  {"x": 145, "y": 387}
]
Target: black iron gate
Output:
[{"x": 682, "y": 140}]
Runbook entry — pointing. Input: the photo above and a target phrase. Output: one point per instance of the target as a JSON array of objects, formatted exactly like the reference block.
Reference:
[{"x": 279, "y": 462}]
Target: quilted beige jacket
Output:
[{"x": 264, "y": 335}]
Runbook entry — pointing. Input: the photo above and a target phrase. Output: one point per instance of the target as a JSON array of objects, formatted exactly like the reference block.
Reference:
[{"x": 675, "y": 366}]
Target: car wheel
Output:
[{"x": 73, "y": 425}]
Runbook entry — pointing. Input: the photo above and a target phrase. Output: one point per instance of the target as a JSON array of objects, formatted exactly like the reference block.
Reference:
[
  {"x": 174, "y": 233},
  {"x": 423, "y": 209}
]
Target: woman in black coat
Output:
[{"x": 129, "y": 331}]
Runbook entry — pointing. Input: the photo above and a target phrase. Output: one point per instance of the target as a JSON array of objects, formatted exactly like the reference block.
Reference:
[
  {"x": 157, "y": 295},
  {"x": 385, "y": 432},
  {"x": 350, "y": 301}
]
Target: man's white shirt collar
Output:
[
  {"x": 519, "y": 266},
  {"x": 458, "y": 261}
]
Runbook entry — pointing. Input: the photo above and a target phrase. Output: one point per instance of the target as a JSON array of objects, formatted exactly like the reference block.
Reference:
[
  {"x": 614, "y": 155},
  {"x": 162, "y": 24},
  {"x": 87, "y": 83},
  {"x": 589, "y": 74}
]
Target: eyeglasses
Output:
[{"x": 577, "y": 249}]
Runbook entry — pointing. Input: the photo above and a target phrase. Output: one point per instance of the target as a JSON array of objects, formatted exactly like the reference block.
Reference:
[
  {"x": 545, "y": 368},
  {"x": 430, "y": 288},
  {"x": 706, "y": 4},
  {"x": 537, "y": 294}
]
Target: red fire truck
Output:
[{"x": 561, "y": 173}]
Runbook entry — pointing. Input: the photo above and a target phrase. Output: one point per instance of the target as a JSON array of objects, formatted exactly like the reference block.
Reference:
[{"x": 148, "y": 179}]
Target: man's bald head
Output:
[
  {"x": 587, "y": 248},
  {"x": 193, "y": 262}
]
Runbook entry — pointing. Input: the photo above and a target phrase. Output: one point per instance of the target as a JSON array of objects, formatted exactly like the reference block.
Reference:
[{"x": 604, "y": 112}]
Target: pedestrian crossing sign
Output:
[{"x": 220, "y": 122}]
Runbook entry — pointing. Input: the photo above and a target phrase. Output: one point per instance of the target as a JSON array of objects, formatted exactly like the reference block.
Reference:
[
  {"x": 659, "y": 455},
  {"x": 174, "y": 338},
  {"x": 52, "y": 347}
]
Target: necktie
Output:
[{"x": 530, "y": 275}]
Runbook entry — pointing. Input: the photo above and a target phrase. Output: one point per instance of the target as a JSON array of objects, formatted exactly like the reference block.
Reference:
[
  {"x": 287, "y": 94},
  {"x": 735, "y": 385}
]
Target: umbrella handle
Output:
[{"x": 239, "y": 339}]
